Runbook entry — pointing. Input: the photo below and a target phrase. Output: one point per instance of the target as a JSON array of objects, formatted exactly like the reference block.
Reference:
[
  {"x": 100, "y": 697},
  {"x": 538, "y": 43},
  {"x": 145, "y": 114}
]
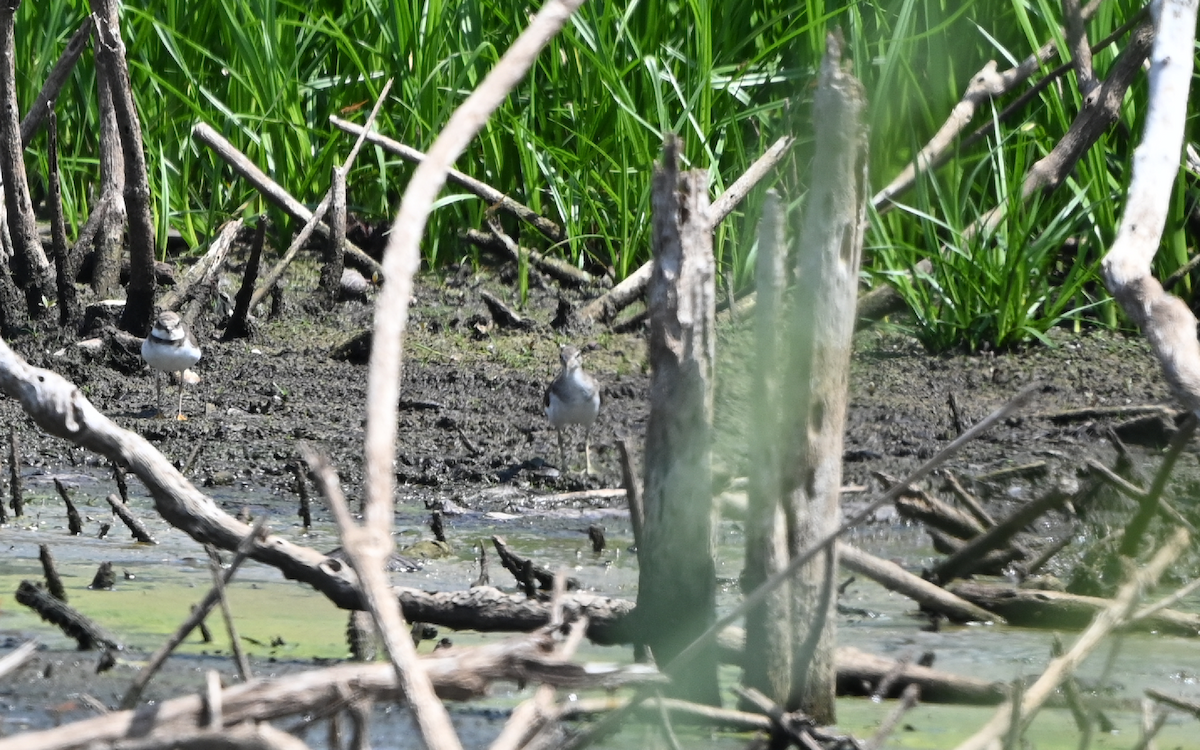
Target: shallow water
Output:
[{"x": 288, "y": 623}]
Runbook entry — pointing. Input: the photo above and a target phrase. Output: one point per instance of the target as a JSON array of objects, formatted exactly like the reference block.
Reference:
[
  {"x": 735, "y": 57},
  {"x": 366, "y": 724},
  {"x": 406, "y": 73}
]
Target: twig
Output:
[
  {"x": 43, "y": 104},
  {"x": 18, "y": 656},
  {"x": 199, "y": 612},
  {"x": 239, "y": 656},
  {"x": 908, "y": 699},
  {"x": 494, "y": 197}
]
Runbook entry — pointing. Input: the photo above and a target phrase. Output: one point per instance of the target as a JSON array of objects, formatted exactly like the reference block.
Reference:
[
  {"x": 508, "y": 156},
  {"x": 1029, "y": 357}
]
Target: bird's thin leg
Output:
[
  {"x": 179, "y": 412},
  {"x": 587, "y": 449},
  {"x": 158, "y": 391},
  {"x": 562, "y": 452}
]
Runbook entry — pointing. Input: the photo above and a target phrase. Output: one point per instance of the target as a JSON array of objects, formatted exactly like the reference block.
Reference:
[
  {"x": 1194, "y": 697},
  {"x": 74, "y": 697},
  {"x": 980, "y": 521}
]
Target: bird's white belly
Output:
[
  {"x": 562, "y": 413},
  {"x": 170, "y": 358}
]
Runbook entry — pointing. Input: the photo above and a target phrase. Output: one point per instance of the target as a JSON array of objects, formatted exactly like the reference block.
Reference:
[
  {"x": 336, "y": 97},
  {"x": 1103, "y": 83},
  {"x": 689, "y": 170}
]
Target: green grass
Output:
[{"x": 579, "y": 138}]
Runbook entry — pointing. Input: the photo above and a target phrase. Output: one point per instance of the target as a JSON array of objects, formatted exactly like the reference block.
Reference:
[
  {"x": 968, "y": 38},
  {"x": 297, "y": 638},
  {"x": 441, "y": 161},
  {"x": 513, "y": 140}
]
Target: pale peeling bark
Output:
[
  {"x": 816, "y": 381},
  {"x": 1165, "y": 320},
  {"x": 676, "y": 583}
]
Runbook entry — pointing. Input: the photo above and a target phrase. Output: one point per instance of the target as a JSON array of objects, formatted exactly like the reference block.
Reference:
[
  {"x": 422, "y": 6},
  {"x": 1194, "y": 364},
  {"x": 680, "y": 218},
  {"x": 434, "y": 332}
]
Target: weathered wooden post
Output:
[
  {"x": 676, "y": 583},
  {"x": 812, "y": 396}
]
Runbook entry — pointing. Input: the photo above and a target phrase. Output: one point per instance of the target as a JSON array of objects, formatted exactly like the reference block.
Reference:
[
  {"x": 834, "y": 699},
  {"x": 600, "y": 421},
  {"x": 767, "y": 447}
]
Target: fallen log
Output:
[
  {"x": 1055, "y": 609},
  {"x": 858, "y": 672},
  {"x": 456, "y": 675},
  {"x": 895, "y": 578}
]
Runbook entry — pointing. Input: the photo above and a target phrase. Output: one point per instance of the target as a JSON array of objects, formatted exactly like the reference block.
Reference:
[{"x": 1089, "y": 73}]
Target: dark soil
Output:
[{"x": 471, "y": 405}]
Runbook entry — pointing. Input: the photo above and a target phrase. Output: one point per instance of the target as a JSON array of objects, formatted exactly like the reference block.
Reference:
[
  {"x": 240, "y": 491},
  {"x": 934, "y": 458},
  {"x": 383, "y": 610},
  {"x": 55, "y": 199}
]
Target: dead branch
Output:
[
  {"x": 1096, "y": 116},
  {"x": 1175, "y": 702},
  {"x": 965, "y": 559},
  {"x": 120, "y": 510},
  {"x": 548, "y": 264},
  {"x": 235, "y": 643},
  {"x": 368, "y": 548},
  {"x": 986, "y": 85},
  {"x": 908, "y": 699},
  {"x": 271, "y": 190},
  {"x": 457, "y": 674},
  {"x": 400, "y": 262},
  {"x": 519, "y": 566},
  {"x": 18, "y": 656},
  {"x": 1055, "y": 609},
  {"x": 486, "y": 192},
  {"x": 1116, "y": 614},
  {"x": 894, "y": 578},
  {"x": 203, "y": 273},
  {"x": 87, "y": 634}
]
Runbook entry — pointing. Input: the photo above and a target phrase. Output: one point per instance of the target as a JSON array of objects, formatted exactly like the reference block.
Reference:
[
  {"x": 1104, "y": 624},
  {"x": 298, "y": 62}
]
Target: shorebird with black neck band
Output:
[
  {"x": 573, "y": 398},
  {"x": 170, "y": 348}
]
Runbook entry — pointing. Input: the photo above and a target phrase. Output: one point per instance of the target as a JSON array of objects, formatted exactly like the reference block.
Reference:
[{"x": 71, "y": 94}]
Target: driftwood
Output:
[
  {"x": 87, "y": 634},
  {"x": 966, "y": 560},
  {"x": 18, "y": 656},
  {"x": 894, "y": 578},
  {"x": 1054, "y": 609},
  {"x": 480, "y": 189},
  {"x": 313, "y": 223},
  {"x": 926, "y": 509},
  {"x": 456, "y": 675},
  {"x": 858, "y": 673},
  {"x": 523, "y": 568},
  {"x": 547, "y": 264},
  {"x": 200, "y": 278}
]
